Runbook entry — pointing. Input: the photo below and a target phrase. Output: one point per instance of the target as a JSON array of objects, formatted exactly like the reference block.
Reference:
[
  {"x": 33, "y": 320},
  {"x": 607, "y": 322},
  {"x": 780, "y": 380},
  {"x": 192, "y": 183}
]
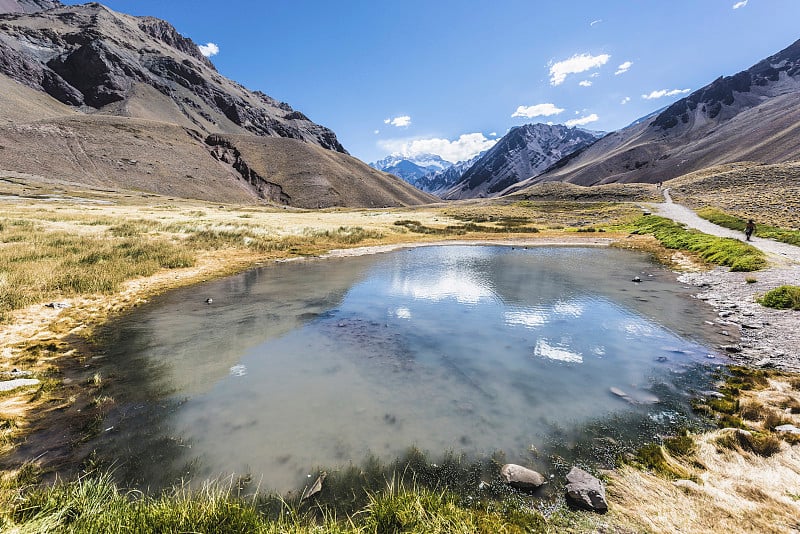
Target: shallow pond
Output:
[{"x": 466, "y": 348}]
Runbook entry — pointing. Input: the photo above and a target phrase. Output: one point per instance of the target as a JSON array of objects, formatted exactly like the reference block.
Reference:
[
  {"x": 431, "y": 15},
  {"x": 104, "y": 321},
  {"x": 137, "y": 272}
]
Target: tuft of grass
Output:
[
  {"x": 682, "y": 444},
  {"x": 735, "y": 223},
  {"x": 731, "y": 253},
  {"x": 656, "y": 458},
  {"x": 785, "y": 297},
  {"x": 761, "y": 443},
  {"x": 754, "y": 411},
  {"x": 349, "y": 235}
]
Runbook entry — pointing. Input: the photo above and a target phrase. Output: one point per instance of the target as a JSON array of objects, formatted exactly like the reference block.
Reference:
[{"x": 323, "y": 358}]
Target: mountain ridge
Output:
[
  {"x": 116, "y": 102},
  {"x": 523, "y": 152},
  {"x": 752, "y": 115}
]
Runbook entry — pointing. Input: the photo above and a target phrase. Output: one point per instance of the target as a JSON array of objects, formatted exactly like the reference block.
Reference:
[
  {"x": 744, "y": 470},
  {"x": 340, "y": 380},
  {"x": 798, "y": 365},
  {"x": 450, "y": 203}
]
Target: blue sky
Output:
[{"x": 452, "y": 76}]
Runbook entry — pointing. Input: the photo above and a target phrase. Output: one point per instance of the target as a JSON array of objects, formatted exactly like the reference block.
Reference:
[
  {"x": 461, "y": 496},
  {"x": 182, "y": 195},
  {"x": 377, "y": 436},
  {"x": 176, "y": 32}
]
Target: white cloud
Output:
[
  {"x": 583, "y": 120},
  {"x": 665, "y": 92},
  {"x": 376, "y": 132},
  {"x": 585, "y": 83},
  {"x": 598, "y": 21},
  {"x": 209, "y": 49},
  {"x": 625, "y": 100},
  {"x": 623, "y": 68},
  {"x": 737, "y": 5},
  {"x": 493, "y": 134},
  {"x": 401, "y": 121},
  {"x": 574, "y": 65},
  {"x": 465, "y": 147},
  {"x": 538, "y": 110}
]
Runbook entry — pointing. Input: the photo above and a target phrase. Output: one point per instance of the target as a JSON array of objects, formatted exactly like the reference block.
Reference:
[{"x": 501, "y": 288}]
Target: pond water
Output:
[{"x": 464, "y": 348}]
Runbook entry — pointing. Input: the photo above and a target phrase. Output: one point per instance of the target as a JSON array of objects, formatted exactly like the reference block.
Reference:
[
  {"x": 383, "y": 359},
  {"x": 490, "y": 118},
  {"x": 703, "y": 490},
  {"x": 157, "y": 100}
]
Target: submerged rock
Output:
[
  {"x": 315, "y": 488},
  {"x": 585, "y": 491},
  {"x": 521, "y": 478}
]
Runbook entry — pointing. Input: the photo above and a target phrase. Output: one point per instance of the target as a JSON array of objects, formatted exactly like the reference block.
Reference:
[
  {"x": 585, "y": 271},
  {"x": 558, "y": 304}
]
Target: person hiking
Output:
[{"x": 749, "y": 229}]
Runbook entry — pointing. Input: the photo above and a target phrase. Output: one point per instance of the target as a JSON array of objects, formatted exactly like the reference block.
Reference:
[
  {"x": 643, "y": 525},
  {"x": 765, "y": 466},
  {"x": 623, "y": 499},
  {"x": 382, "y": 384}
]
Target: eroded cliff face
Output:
[
  {"x": 91, "y": 57},
  {"x": 226, "y": 153}
]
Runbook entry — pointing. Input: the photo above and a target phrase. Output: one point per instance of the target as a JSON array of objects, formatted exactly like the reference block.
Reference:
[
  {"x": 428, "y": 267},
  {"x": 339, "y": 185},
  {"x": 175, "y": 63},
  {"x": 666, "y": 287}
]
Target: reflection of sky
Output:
[
  {"x": 546, "y": 350},
  {"x": 402, "y": 313},
  {"x": 527, "y": 318},
  {"x": 453, "y": 284},
  {"x": 539, "y": 316}
]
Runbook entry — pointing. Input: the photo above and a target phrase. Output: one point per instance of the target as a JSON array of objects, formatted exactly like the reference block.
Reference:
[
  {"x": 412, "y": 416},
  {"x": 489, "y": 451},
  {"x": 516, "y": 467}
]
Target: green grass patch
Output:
[
  {"x": 656, "y": 459},
  {"x": 762, "y": 230},
  {"x": 782, "y": 298},
  {"x": 729, "y": 252},
  {"x": 96, "y": 504}
]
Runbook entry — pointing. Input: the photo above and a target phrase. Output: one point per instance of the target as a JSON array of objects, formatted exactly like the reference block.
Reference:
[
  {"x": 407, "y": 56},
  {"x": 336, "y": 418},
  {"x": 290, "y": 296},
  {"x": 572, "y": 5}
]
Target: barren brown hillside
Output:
[
  {"x": 311, "y": 177},
  {"x": 768, "y": 193}
]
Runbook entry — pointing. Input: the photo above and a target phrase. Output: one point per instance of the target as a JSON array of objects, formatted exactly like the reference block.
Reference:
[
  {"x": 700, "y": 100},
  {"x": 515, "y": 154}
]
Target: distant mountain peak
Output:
[{"x": 523, "y": 152}]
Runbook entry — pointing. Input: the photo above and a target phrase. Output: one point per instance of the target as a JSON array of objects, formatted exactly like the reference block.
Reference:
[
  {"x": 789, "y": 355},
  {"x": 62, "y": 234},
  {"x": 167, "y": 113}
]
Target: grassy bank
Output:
[
  {"x": 742, "y": 477},
  {"x": 410, "y": 495},
  {"x": 762, "y": 230},
  {"x": 728, "y": 252}
]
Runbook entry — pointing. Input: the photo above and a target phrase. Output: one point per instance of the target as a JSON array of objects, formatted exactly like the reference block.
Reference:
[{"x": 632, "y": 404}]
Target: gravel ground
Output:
[{"x": 769, "y": 338}]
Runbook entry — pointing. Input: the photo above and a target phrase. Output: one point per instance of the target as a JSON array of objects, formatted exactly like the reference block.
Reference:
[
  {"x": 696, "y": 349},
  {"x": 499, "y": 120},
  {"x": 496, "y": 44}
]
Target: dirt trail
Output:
[{"x": 676, "y": 212}]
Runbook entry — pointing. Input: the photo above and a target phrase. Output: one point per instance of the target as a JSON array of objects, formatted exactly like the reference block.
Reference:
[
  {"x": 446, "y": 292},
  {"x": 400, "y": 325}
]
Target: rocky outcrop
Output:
[
  {"x": 585, "y": 491},
  {"x": 166, "y": 33},
  {"x": 521, "y": 478},
  {"x": 225, "y": 152},
  {"x": 27, "y": 6}
]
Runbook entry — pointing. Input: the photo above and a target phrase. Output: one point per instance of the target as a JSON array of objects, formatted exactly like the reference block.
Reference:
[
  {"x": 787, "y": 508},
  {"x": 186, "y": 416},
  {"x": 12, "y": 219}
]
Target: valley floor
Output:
[{"x": 751, "y": 493}]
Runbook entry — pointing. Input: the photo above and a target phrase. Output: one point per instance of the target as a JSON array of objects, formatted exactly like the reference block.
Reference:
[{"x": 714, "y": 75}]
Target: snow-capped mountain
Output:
[
  {"x": 411, "y": 168},
  {"x": 432, "y": 162},
  {"x": 523, "y": 152},
  {"x": 439, "y": 182}
]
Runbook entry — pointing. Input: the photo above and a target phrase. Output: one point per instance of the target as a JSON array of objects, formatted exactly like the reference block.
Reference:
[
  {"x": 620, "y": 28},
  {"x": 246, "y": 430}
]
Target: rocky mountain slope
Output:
[
  {"x": 751, "y": 116},
  {"x": 523, "y": 152},
  {"x": 96, "y": 90},
  {"x": 27, "y": 6}
]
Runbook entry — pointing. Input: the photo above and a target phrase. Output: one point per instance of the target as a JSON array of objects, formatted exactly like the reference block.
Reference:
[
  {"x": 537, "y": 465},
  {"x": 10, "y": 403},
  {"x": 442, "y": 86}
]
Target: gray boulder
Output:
[
  {"x": 585, "y": 491},
  {"x": 521, "y": 478}
]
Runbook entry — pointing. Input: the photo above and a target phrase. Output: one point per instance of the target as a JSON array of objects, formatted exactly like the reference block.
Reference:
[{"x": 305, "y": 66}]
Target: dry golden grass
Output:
[
  {"x": 727, "y": 488},
  {"x": 770, "y": 194}
]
